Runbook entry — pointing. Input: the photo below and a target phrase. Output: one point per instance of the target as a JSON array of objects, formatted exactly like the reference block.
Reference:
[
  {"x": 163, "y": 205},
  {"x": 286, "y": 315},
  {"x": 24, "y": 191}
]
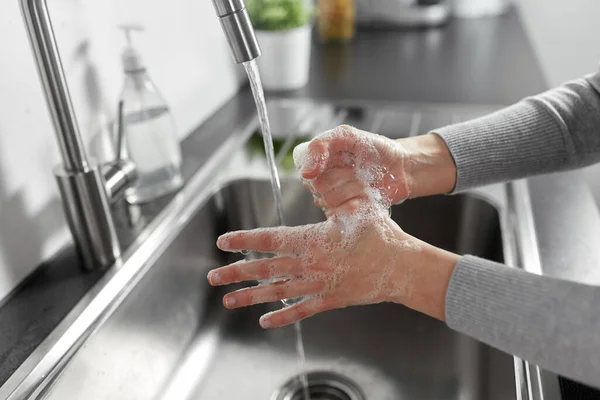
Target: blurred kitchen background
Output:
[{"x": 190, "y": 62}]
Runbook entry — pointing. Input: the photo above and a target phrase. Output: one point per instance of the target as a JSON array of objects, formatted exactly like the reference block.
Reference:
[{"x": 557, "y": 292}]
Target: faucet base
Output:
[{"x": 88, "y": 214}]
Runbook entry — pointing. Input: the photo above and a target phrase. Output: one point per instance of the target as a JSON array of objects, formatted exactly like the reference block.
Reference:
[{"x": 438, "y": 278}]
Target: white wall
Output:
[
  {"x": 566, "y": 38},
  {"x": 187, "y": 57}
]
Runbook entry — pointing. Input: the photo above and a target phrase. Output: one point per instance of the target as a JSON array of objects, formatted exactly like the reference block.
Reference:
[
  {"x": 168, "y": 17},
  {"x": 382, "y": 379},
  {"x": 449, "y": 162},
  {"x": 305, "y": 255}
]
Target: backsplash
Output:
[{"x": 186, "y": 55}]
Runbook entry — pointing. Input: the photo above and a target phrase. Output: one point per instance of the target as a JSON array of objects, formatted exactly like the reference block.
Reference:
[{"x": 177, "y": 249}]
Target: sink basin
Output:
[
  {"x": 171, "y": 338},
  {"x": 152, "y": 327}
]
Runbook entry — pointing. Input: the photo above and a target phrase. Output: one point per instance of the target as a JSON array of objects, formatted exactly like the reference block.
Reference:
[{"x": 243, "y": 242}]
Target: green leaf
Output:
[{"x": 273, "y": 15}]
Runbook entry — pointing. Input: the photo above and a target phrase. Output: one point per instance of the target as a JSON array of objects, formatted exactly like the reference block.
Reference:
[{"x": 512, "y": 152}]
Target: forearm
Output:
[
  {"x": 553, "y": 131},
  {"x": 549, "y": 322}
]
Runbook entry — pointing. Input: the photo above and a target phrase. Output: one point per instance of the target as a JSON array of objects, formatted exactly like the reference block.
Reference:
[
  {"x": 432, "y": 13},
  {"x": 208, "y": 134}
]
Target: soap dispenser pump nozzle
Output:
[{"x": 131, "y": 58}]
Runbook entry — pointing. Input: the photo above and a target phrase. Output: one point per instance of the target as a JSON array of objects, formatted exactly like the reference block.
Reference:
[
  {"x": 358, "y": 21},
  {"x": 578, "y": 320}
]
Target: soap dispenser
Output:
[{"x": 150, "y": 136}]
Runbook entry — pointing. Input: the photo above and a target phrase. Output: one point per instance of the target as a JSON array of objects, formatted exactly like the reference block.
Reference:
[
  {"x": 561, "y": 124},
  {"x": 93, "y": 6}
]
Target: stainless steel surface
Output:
[
  {"x": 119, "y": 176},
  {"x": 43, "y": 42},
  {"x": 80, "y": 182},
  {"x": 153, "y": 328},
  {"x": 322, "y": 385},
  {"x": 391, "y": 352},
  {"x": 225, "y": 7},
  {"x": 122, "y": 173},
  {"x": 87, "y": 211},
  {"x": 120, "y": 132},
  {"x": 541, "y": 384},
  {"x": 527, "y": 256},
  {"x": 572, "y": 254},
  {"x": 238, "y": 30}
]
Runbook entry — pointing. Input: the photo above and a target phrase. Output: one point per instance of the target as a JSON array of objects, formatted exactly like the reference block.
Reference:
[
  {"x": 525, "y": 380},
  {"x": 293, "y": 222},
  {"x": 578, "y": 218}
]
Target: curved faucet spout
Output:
[{"x": 43, "y": 42}]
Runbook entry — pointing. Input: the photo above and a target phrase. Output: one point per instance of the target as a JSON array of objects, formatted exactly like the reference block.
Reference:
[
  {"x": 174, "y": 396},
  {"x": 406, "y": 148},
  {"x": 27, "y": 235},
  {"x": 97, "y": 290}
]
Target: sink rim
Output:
[{"x": 46, "y": 362}]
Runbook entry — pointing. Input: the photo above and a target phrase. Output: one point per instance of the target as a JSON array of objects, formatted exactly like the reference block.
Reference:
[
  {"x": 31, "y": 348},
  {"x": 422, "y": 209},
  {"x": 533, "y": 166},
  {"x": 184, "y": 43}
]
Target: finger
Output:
[
  {"x": 343, "y": 138},
  {"x": 310, "y": 158},
  {"x": 269, "y": 240},
  {"x": 277, "y": 267},
  {"x": 272, "y": 292},
  {"x": 317, "y": 152},
  {"x": 343, "y": 193},
  {"x": 332, "y": 178},
  {"x": 297, "y": 312}
]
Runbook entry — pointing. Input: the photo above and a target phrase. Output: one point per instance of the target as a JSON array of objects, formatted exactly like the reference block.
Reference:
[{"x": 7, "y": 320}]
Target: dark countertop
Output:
[{"x": 488, "y": 61}]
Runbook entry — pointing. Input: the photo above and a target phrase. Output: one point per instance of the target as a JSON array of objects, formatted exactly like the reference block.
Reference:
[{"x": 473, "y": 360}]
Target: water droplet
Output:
[{"x": 245, "y": 252}]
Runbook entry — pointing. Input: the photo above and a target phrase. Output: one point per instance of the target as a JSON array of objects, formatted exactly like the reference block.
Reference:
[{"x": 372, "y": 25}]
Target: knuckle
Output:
[
  {"x": 231, "y": 274},
  {"x": 244, "y": 297},
  {"x": 280, "y": 292},
  {"x": 266, "y": 240},
  {"x": 263, "y": 270},
  {"x": 237, "y": 271},
  {"x": 288, "y": 264}
]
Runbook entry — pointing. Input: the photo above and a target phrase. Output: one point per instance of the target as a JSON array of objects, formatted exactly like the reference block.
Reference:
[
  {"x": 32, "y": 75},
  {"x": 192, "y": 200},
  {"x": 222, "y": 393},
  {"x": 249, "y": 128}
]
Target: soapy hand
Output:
[
  {"x": 333, "y": 264},
  {"x": 359, "y": 255},
  {"x": 346, "y": 163}
]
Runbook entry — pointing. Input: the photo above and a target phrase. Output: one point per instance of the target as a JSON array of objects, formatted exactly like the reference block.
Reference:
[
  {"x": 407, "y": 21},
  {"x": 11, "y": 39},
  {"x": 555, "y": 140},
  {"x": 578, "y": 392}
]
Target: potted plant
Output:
[{"x": 283, "y": 30}]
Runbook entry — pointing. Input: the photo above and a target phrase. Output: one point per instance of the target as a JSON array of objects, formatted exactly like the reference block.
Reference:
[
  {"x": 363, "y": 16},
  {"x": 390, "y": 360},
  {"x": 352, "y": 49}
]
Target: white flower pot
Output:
[{"x": 285, "y": 59}]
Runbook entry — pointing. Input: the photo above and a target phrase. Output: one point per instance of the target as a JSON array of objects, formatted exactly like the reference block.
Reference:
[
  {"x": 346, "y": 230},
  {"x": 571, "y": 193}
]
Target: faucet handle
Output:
[
  {"x": 118, "y": 177},
  {"x": 120, "y": 132},
  {"x": 120, "y": 174}
]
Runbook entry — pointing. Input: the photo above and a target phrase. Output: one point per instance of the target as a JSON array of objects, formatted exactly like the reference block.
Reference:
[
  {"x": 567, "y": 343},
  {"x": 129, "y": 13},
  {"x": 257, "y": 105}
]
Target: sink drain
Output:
[{"x": 321, "y": 386}]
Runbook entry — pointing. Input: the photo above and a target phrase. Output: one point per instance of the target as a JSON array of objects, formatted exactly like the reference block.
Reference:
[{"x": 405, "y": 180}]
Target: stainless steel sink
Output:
[
  {"x": 154, "y": 328},
  {"x": 389, "y": 351}
]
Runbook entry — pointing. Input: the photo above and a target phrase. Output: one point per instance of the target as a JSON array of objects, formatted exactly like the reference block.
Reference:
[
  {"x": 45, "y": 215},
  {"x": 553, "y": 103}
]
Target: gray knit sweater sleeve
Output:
[
  {"x": 556, "y": 130},
  {"x": 549, "y": 322}
]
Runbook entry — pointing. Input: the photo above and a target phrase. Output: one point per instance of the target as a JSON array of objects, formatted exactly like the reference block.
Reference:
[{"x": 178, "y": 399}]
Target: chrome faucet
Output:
[
  {"x": 86, "y": 187},
  {"x": 238, "y": 29}
]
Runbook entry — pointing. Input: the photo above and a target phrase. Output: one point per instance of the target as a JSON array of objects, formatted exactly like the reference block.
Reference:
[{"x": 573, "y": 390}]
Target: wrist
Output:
[
  {"x": 429, "y": 166},
  {"x": 425, "y": 271}
]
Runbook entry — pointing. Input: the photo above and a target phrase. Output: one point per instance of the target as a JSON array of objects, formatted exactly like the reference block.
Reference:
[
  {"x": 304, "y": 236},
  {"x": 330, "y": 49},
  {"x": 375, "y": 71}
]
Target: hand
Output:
[
  {"x": 333, "y": 267},
  {"x": 332, "y": 163},
  {"x": 345, "y": 164}
]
